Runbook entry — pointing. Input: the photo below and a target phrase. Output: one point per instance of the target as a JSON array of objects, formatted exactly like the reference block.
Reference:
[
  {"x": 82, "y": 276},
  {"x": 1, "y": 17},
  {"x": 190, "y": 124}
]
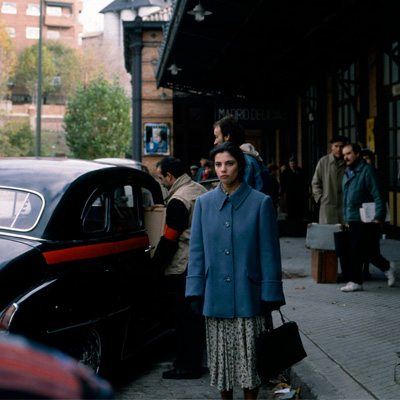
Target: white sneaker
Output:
[
  {"x": 351, "y": 287},
  {"x": 391, "y": 273}
]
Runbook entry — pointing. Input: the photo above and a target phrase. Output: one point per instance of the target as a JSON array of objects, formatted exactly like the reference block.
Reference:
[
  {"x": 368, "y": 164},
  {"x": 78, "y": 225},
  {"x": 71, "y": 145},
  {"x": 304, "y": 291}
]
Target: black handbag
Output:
[{"x": 278, "y": 349}]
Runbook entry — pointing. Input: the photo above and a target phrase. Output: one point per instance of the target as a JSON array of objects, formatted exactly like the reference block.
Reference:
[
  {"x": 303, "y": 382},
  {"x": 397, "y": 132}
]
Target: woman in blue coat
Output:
[{"x": 234, "y": 273}]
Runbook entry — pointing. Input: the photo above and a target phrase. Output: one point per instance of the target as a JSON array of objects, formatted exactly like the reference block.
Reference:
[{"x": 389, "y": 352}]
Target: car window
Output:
[
  {"x": 125, "y": 213},
  {"x": 96, "y": 216},
  {"x": 20, "y": 210}
]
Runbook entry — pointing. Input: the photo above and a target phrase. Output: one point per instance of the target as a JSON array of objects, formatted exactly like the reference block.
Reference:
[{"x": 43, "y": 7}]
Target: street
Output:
[{"x": 141, "y": 378}]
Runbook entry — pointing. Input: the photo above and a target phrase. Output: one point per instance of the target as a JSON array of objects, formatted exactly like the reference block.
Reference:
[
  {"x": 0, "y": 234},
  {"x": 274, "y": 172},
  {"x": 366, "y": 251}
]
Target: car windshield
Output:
[{"x": 20, "y": 209}]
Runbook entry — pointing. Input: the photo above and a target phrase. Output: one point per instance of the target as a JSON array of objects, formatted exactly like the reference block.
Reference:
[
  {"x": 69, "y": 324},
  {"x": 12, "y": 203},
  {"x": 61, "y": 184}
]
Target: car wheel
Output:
[{"x": 89, "y": 352}]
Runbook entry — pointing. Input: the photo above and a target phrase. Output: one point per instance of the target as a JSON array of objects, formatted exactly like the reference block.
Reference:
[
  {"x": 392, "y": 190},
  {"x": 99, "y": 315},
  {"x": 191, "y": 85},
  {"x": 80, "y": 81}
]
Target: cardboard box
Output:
[
  {"x": 154, "y": 221},
  {"x": 324, "y": 266}
]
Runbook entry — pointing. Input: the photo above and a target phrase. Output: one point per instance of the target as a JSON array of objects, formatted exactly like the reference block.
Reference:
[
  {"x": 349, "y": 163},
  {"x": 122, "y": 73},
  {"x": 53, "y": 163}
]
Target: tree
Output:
[
  {"x": 97, "y": 120},
  {"x": 8, "y": 61},
  {"x": 16, "y": 139},
  {"x": 27, "y": 73}
]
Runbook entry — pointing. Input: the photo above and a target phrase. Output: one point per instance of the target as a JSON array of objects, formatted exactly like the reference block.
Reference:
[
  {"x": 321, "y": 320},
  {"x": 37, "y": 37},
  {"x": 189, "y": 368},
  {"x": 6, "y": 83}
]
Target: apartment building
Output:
[{"x": 60, "y": 21}]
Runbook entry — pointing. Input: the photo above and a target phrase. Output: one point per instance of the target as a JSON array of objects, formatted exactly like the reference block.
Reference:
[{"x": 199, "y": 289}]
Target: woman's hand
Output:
[
  {"x": 196, "y": 304},
  {"x": 268, "y": 306}
]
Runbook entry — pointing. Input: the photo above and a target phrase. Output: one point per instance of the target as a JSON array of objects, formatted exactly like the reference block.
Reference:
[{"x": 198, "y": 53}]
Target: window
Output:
[
  {"x": 20, "y": 210},
  {"x": 311, "y": 113},
  {"x": 56, "y": 81},
  {"x": 390, "y": 67},
  {"x": 32, "y": 33},
  {"x": 9, "y": 8},
  {"x": 53, "y": 35},
  {"x": 96, "y": 216},
  {"x": 347, "y": 98},
  {"x": 33, "y": 9},
  {"x": 54, "y": 11},
  {"x": 124, "y": 216},
  {"x": 11, "y": 32},
  {"x": 391, "y": 79}
]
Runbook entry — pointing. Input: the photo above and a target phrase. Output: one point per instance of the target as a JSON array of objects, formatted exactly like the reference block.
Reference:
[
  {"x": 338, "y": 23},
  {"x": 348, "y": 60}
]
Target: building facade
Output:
[
  {"x": 60, "y": 21},
  {"x": 323, "y": 69}
]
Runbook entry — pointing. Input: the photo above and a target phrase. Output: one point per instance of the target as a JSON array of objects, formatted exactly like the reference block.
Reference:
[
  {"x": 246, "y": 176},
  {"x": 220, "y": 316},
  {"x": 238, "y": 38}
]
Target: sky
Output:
[{"x": 90, "y": 18}]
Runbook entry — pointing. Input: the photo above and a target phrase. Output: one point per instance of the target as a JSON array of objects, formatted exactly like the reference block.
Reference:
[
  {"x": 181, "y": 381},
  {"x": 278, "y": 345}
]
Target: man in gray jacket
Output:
[
  {"x": 327, "y": 183},
  {"x": 362, "y": 184}
]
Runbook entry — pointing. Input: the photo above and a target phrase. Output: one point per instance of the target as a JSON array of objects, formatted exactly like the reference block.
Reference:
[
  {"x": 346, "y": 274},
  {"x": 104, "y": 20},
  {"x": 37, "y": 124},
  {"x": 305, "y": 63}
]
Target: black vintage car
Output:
[{"x": 74, "y": 257}]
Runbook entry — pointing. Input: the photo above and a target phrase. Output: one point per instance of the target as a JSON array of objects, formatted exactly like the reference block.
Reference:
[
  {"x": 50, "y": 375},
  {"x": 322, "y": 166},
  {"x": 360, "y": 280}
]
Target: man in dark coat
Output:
[
  {"x": 294, "y": 190},
  {"x": 362, "y": 184}
]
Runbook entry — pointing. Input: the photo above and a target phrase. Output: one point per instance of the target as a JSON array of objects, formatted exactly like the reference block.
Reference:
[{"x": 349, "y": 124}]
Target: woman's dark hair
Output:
[
  {"x": 230, "y": 125},
  {"x": 234, "y": 151}
]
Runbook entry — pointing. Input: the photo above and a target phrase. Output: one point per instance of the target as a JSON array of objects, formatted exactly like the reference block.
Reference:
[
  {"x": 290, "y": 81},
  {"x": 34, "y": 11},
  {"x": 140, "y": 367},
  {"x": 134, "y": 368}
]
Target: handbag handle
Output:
[{"x": 270, "y": 322}]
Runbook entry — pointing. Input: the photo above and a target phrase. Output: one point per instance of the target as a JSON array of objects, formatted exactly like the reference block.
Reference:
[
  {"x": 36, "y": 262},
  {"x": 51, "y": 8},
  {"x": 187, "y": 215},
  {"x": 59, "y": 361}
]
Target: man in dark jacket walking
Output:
[{"x": 361, "y": 184}]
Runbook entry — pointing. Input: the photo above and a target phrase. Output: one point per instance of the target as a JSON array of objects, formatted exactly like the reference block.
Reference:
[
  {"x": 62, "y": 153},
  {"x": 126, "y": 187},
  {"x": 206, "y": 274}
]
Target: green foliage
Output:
[
  {"x": 27, "y": 72},
  {"x": 66, "y": 65},
  {"x": 16, "y": 139},
  {"x": 8, "y": 60},
  {"x": 97, "y": 120}
]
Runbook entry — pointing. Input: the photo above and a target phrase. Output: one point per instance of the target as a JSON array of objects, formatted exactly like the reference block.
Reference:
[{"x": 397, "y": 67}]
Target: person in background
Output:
[
  {"x": 256, "y": 174},
  {"x": 171, "y": 256},
  {"x": 327, "y": 183},
  {"x": 193, "y": 171},
  {"x": 327, "y": 190},
  {"x": 234, "y": 273},
  {"x": 209, "y": 172},
  {"x": 275, "y": 186},
  {"x": 362, "y": 184},
  {"x": 369, "y": 158},
  {"x": 294, "y": 191},
  {"x": 200, "y": 171}
]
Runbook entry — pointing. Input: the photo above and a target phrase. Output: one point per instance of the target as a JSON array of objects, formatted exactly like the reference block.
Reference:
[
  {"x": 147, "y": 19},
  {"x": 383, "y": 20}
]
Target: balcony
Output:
[{"x": 64, "y": 21}]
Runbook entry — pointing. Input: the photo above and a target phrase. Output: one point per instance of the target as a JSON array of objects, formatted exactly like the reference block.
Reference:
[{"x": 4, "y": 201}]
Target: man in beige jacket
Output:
[
  {"x": 327, "y": 183},
  {"x": 172, "y": 256}
]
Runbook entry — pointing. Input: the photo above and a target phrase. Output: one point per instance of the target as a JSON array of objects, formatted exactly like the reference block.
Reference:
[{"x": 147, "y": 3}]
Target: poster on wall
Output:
[{"x": 156, "y": 139}]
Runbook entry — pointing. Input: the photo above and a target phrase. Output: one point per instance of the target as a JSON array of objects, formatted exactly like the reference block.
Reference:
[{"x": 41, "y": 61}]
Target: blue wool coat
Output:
[{"x": 234, "y": 253}]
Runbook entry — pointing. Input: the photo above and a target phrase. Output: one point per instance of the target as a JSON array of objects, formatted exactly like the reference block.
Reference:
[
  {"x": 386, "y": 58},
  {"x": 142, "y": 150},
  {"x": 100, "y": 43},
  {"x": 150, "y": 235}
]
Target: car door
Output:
[{"x": 133, "y": 263}]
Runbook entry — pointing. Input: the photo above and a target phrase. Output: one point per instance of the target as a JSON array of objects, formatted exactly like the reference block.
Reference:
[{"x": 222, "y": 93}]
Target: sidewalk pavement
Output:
[{"x": 352, "y": 340}]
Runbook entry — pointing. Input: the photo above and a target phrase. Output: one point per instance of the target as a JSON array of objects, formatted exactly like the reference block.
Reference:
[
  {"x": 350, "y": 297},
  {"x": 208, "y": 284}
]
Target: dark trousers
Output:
[
  {"x": 364, "y": 247},
  {"x": 190, "y": 328}
]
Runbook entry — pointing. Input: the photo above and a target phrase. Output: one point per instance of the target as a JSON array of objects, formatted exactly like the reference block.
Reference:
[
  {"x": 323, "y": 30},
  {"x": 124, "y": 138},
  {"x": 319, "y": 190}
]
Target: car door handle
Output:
[{"x": 150, "y": 248}]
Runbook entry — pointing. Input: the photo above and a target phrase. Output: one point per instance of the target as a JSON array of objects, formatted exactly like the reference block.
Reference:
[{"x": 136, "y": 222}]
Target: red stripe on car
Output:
[{"x": 94, "y": 250}]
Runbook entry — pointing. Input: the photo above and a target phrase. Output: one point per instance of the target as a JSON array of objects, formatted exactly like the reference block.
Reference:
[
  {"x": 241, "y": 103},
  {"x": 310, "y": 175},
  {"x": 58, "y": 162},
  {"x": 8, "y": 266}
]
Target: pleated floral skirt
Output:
[{"x": 231, "y": 354}]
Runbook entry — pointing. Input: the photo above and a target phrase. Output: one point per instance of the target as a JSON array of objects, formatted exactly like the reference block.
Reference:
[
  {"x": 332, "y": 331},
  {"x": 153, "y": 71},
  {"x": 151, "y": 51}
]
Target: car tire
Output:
[{"x": 88, "y": 350}]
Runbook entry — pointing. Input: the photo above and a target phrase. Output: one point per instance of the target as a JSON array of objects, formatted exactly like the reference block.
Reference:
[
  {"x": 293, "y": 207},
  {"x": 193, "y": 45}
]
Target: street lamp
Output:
[
  {"x": 199, "y": 12},
  {"x": 39, "y": 86}
]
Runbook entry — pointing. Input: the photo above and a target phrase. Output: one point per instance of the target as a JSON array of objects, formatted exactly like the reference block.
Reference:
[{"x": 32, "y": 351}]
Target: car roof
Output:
[
  {"x": 123, "y": 161},
  {"x": 66, "y": 183},
  {"x": 27, "y": 171}
]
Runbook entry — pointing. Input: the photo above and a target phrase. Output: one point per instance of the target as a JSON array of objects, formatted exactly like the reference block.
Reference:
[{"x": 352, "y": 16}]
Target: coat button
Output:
[
  {"x": 227, "y": 278},
  {"x": 227, "y": 252},
  {"x": 227, "y": 224}
]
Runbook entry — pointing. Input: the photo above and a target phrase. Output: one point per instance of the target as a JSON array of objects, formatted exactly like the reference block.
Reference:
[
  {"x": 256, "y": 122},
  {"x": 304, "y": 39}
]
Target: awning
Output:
[
  {"x": 58, "y": 4},
  {"x": 263, "y": 48}
]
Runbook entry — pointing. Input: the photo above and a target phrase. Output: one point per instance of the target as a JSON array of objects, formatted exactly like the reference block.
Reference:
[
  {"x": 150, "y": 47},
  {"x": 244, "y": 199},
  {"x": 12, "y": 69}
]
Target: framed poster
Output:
[{"x": 156, "y": 139}]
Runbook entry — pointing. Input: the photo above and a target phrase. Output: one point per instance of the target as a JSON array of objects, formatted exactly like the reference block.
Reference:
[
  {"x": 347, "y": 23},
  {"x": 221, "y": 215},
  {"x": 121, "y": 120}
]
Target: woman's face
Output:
[{"x": 227, "y": 169}]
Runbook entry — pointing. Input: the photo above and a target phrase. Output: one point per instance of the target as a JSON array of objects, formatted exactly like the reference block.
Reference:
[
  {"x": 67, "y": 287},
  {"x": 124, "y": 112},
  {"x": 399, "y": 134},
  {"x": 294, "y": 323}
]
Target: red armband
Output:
[{"x": 171, "y": 234}]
